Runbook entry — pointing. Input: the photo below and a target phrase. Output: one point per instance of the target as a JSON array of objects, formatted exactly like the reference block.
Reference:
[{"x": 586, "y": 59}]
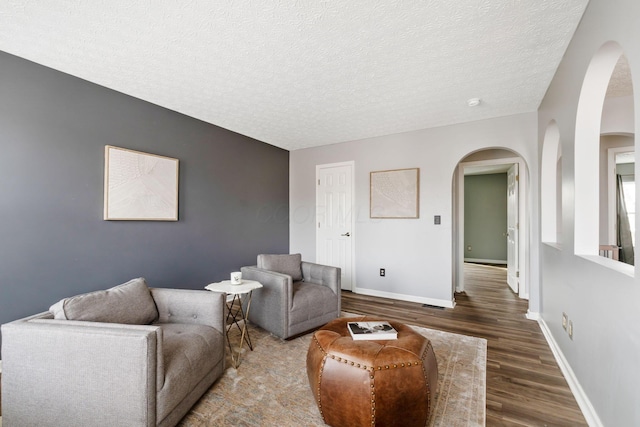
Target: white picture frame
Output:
[
  {"x": 139, "y": 186},
  {"x": 395, "y": 193}
]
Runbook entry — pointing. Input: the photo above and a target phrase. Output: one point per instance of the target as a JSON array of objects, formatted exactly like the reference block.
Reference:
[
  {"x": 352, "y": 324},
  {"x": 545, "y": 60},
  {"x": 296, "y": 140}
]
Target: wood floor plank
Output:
[{"x": 525, "y": 386}]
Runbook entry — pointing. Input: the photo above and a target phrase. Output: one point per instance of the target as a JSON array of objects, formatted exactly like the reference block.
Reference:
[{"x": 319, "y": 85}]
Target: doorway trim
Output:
[
  {"x": 351, "y": 164},
  {"x": 611, "y": 191},
  {"x": 523, "y": 220}
]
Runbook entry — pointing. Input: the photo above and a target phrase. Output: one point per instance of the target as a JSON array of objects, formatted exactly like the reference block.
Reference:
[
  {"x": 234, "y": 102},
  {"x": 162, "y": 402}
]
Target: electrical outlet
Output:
[
  {"x": 382, "y": 272},
  {"x": 570, "y": 329},
  {"x": 565, "y": 319}
]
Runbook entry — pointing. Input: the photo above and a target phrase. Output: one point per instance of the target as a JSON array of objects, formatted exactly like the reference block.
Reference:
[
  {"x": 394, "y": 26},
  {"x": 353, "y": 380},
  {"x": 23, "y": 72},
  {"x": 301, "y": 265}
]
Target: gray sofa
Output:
[
  {"x": 296, "y": 296},
  {"x": 126, "y": 356}
]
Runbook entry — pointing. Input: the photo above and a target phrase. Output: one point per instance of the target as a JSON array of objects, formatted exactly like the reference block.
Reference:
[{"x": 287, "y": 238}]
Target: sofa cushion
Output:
[
  {"x": 284, "y": 264},
  {"x": 189, "y": 352},
  {"x": 129, "y": 303}
]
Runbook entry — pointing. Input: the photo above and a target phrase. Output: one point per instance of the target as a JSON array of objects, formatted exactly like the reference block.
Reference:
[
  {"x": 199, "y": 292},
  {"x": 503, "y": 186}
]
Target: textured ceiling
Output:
[
  {"x": 620, "y": 83},
  {"x": 303, "y": 73}
]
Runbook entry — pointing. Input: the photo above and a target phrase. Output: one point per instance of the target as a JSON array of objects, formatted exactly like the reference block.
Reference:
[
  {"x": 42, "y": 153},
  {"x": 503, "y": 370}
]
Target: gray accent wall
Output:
[
  {"x": 485, "y": 217},
  {"x": 233, "y": 193}
]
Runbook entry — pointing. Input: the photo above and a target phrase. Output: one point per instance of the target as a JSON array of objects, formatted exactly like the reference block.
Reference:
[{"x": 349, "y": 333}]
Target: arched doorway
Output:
[{"x": 489, "y": 161}]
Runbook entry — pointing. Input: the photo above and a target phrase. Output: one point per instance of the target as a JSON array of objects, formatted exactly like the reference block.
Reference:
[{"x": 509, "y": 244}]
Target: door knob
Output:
[{"x": 346, "y": 234}]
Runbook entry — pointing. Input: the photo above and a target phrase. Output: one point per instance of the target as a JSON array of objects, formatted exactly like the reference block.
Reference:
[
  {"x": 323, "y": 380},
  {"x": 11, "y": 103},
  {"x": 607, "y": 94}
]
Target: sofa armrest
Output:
[
  {"x": 190, "y": 306},
  {"x": 98, "y": 374},
  {"x": 323, "y": 275}
]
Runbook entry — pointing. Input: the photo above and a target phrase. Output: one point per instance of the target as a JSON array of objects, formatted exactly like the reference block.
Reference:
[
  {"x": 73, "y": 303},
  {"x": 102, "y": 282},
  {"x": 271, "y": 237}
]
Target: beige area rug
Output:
[{"x": 270, "y": 387}]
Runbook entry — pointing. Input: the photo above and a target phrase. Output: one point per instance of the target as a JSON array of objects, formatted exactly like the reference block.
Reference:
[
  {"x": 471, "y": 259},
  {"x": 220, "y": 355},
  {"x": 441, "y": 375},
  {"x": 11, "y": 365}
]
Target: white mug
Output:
[{"x": 236, "y": 278}]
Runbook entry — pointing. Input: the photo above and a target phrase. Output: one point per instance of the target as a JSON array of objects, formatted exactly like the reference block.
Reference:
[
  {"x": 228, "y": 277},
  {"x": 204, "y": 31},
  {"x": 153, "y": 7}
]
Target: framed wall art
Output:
[
  {"x": 139, "y": 186},
  {"x": 395, "y": 193}
]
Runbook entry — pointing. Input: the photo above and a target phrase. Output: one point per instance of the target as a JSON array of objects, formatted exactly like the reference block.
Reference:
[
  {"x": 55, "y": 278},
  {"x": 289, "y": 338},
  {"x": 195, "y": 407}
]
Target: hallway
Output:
[{"x": 525, "y": 386}]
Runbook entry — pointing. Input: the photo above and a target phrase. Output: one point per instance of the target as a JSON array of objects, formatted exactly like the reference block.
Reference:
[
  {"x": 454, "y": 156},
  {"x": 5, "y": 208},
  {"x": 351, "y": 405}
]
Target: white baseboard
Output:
[
  {"x": 532, "y": 315},
  {"x": 402, "y": 297},
  {"x": 581, "y": 397}
]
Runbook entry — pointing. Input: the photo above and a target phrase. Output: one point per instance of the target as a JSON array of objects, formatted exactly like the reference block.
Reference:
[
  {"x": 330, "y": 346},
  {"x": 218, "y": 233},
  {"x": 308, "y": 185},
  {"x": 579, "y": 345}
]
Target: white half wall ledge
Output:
[
  {"x": 410, "y": 298},
  {"x": 614, "y": 265},
  {"x": 554, "y": 245},
  {"x": 588, "y": 411}
]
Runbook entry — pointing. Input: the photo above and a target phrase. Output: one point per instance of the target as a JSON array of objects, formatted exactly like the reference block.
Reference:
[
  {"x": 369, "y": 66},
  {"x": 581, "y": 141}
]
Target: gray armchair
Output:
[
  {"x": 296, "y": 296},
  {"x": 126, "y": 356}
]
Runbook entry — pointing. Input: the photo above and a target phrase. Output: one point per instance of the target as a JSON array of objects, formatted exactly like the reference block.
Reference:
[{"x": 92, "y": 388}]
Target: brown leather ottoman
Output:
[{"x": 372, "y": 383}]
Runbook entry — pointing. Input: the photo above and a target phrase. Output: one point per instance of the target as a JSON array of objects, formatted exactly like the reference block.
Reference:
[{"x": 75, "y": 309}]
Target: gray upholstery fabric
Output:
[
  {"x": 130, "y": 303},
  {"x": 285, "y": 264},
  {"x": 190, "y": 399},
  {"x": 186, "y": 348},
  {"x": 58, "y": 373},
  {"x": 187, "y": 306},
  {"x": 305, "y": 302},
  {"x": 287, "y": 308},
  {"x": 78, "y": 373}
]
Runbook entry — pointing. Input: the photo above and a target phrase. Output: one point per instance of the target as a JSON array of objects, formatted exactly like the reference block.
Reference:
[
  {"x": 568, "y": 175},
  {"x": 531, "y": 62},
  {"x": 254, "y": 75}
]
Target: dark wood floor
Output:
[{"x": 525, "y": 386}]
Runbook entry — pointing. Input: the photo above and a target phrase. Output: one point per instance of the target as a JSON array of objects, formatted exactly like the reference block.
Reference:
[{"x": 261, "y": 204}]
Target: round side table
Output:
[{"x": 237, "y": 314}]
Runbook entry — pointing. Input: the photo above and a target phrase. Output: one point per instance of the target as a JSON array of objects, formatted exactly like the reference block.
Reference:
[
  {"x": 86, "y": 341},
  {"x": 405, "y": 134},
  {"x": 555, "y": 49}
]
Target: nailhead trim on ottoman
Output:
[{"x": 371, "y": 382}]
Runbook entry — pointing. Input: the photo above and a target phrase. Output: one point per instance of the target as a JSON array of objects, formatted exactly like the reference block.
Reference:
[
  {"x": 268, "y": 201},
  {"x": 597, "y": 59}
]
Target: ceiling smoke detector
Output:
[{"x": 473, "y": 102}]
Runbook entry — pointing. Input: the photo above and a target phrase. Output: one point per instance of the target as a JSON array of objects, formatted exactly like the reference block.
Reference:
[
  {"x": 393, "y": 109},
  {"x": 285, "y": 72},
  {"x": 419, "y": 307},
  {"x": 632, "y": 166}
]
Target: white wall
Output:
[
  {"x": 417, "y": 255},
  {"x": 617, "y": 115},
  {"x": 602, "y": 302}
]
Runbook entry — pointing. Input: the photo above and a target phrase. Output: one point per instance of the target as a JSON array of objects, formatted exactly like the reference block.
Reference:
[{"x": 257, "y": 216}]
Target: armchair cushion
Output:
[
  {"x": 130, "y": 303},
  {"x": 284, "y": 264},
  {"x": 311, "y": 301},
  {"x": 287, "y": 307}
]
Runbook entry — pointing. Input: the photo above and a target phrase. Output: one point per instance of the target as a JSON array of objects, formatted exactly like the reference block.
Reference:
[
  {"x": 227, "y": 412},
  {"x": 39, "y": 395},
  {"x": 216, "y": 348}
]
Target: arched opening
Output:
[
  {"x": 617, "y": 168},
  {"x": 513, "y": 235},
  {"x": 551, "y": 186},
  {"x": 604, "y": 129}
]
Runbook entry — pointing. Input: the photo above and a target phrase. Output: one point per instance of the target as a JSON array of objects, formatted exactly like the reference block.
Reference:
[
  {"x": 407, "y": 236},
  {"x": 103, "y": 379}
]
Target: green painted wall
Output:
[{"x": 485, "y": 217}]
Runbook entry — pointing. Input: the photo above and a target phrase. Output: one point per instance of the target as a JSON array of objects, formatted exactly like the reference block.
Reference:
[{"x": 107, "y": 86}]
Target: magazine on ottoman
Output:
[{"x": 378, "y": 330}]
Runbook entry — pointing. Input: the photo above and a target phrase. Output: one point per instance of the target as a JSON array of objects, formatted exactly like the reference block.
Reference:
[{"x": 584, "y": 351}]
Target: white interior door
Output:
[
  {"x": 512, "y": 227},
  {"x": 334, "y": 218}
]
